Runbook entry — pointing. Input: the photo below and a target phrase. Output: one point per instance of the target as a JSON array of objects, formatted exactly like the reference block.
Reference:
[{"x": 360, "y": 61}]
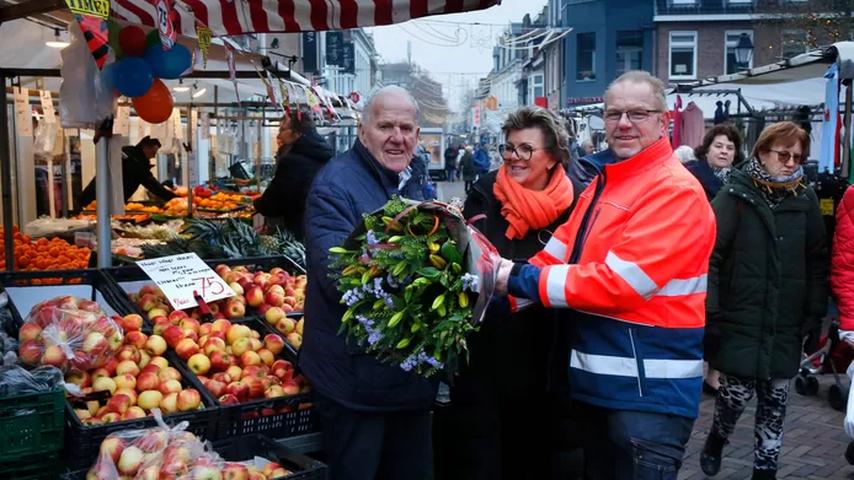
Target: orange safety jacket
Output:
[{"x": 631, "y": 262}]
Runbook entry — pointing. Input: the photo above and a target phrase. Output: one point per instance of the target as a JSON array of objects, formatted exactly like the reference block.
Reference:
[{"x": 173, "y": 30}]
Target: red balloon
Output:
[
  {"x": 156, "y": 105},
  {"x": 132, "y": 41}
]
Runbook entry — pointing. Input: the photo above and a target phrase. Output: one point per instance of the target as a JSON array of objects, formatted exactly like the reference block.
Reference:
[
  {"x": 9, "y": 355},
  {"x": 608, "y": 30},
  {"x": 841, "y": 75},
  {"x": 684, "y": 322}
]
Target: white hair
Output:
[
  {"x": 385, "y": 91},
  {"x": 685, "y": 154}
]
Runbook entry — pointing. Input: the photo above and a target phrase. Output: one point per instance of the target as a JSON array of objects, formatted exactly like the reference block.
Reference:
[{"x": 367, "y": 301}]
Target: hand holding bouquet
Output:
[{"x": 416, "y": 280}]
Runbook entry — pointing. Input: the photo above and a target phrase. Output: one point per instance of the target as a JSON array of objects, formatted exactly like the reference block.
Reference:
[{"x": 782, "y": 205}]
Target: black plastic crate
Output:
[
  {"x": 26, "y": 289},
  {"x": 42, "y": 466},
  {"x": 83, "y": 441},
  {"x": 277, "y": 417},
  {"x": 239, "y": 449},
  {"x": 126, "y": 280}
]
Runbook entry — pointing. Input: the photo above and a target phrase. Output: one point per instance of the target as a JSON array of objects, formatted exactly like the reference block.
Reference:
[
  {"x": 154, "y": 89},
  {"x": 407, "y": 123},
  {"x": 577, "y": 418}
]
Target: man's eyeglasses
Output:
[
  {"x": 523, "y": 152},
  {"x": 784, "y": 156},
  {"x": 635, "y": 116}
]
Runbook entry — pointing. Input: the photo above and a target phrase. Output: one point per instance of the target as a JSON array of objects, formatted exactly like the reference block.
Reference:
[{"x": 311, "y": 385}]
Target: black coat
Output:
[
  {"x": 136, "y": 171},
  {"x": 706, "y": 176},
  {"x": 351, "y": 184},
  {"x": 295, "y": 170},
  {"x": 767, "y": 280},
  {"x": 516, "y": 346}
]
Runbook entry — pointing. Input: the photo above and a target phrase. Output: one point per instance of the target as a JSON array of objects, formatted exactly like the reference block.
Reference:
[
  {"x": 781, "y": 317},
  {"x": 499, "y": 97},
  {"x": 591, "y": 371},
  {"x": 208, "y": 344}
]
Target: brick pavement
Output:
[{"x": 813, "y": 444}]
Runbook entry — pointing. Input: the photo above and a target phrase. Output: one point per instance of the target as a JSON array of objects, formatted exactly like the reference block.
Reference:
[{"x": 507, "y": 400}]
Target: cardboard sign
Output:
[{"x": 178, "y": 276}]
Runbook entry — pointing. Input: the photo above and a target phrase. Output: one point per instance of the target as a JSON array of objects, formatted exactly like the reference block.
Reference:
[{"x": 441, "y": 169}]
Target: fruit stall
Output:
[{"x": 146, "y": 385}]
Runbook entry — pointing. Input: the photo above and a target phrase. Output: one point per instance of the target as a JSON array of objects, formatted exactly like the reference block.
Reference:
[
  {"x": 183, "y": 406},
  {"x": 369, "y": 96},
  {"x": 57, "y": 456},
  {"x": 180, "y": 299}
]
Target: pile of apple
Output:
[
  {"x": 292, "y": 330},
  {"x": 232, "y": 360},
  {"x": 68, "y": 332},
  {"x": 159, "y": 453},
  {"x": 259, "y": 291},
  {"x": 137, "y": 377}
]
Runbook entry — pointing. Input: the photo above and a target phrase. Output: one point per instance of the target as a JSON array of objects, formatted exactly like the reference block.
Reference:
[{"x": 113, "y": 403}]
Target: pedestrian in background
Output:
[
  {"x": 451, "y": 154},
  {"x": 715, "y": 157},
  {"x": 767, "y": 289},
  {"x": 468, "y": 167}
]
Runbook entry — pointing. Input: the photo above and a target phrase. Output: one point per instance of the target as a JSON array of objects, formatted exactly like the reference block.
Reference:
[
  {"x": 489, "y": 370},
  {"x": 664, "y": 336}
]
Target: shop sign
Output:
[
  {"x": 94, "y": 8},
  {"x": 182, "y": 276},
  {"x": 165, "y": 27},
  {"x": 23, "y": 112},
  {"x": 583, "y": 100}
]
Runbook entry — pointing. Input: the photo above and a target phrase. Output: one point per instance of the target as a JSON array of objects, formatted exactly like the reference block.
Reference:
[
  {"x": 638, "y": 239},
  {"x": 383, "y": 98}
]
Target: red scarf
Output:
[{"x": 527, "y": 209}]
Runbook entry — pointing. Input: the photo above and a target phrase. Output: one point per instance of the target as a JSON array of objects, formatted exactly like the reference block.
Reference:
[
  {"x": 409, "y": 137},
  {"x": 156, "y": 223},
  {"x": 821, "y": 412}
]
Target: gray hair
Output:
[
  {"x": 641, "y": 76},
  {"x": 685, "y": 153},
  {"x": 393, "y": 90}
]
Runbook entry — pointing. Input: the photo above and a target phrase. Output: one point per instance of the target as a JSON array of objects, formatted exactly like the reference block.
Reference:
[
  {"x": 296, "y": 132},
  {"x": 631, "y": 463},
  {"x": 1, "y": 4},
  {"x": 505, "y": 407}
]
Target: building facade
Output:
[{"x": 608, "y": 37}]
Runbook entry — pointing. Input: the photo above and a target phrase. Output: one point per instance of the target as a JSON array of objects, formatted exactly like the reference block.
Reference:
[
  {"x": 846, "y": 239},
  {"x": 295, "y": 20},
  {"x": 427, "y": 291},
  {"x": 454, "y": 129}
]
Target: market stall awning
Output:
[{"x": 236, "y": 17}]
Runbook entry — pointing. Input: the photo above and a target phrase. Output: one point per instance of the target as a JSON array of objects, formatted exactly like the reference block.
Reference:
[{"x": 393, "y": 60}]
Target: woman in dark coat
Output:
[
  {"x": 499, "y": 401},
  {"x": 721, "y": 149},
  {"x": 469, "y": 168},
  {"x": 767, "y": 287}
]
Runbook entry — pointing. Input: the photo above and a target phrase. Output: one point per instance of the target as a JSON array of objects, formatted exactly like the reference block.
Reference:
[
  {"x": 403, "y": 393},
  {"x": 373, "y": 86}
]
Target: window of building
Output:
[
  {"x": 683, "y": 2},
  {"x": 585, "y": 61},
  {"x": 740, "y": 2},
  {"x": 683, "y": 55},
  {"x": 629, "y": 51},
  {"x": 731, "y": 38},
  {"x": 793, "y": 43},
  {"x": 535, "y": 86}
]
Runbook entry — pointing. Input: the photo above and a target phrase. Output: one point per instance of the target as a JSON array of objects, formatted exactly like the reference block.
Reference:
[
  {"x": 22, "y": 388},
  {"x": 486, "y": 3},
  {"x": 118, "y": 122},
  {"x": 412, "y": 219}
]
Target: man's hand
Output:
[{"x": 503, "y": 274}]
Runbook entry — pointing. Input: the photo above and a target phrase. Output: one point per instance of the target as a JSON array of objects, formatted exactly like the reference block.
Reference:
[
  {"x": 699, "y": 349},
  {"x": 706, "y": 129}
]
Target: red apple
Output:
[
  {"x": 136, "y": 338},
  {"x": 157, "y": 312},
  {"x": 133, "y": 412},
  {"x": 30, "y": 352},
  {"x": 213, "y": 344},
  {"x": 160, "y": 325},
  {"x": 186, "y": 348},
  {"x": 168, "y": 373},
  {"x": 127, "y": 366},
  {"x": 274, "y": 343},
  {"x": 173, "y": 334},
  {"x": 256, "y": 387},
  {"x": 234, "y": 371},
  {"x": 267, "y": 357},
  {"x": 125, "y": 380},
  {"x": 205, "y": 329},
  {"x": 112, "y": 447},
  {"x": 29, "y": 331},
  {"x": 131, "y": 322},
  {"x": 118, "y": 404},
  {"x": 147, "y": 381},
  {"x": 79, "y": 377},
  {"x": 54, "y": 355},
  {"x": 274, "y": 391},
  {"x": 190, "y": 324},
  {"x": 236, "y": 332},
  {"x": 291, "y": 387},
  {"x": 216, "y": 388},
  {"x": 169, "y": 386},
  {"x": 149, "y": 399},
  {"x": 175, "y": 316},
  {"x": 189, "y": 399},
  {"x": 169, "y": 402},
  {"x": 130, "y": 460},
  {"x": 254, "y": 296},
  {"x": 241, "y": 345},
  {"x": 220, "y": 361},
  {"x": 239, "y": 389},
  {"x": 128, "y": 352},
  {"x": 228, "y": 399},
  {"x": 234, "y": 309},
  {"x": 159, "y": 361},
  {"x": 127, "y": 392},
  {"x": 285, "y": 325}
]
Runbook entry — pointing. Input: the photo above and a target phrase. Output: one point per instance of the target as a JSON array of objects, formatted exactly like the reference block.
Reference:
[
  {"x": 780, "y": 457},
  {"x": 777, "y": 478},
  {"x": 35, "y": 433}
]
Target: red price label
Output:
[{"x": 210, "y": 285}]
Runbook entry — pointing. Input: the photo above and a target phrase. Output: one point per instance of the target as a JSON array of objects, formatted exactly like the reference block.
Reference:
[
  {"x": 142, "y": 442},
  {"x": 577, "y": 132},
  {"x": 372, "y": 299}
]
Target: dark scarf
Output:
[{"x": 775, "y": 189}]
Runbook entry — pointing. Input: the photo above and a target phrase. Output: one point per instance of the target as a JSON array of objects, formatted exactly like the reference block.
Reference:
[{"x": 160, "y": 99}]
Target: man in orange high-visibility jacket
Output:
[{"x": 630, "y": 264}]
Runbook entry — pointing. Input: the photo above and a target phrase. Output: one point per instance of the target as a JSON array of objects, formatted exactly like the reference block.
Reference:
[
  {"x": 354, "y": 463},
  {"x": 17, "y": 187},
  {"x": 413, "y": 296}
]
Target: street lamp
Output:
[{"x": 743, "y": 51}]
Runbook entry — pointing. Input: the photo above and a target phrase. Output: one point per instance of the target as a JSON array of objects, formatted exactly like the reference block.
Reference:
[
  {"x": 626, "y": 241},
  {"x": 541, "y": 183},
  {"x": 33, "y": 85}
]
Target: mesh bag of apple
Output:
[
  {"x": 134, "y": 382},
  {"x": 163, "y": 452},
  {"x": 68, "y": 333}
]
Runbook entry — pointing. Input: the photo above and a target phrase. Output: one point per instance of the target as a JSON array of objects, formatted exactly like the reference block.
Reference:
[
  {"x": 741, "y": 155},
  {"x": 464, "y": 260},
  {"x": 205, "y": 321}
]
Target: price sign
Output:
[{"x": 178, "y": 276}]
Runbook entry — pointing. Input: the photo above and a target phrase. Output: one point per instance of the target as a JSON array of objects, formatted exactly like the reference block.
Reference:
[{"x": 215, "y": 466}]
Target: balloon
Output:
[
  {"x": 108, "y": 77},
  {"x": 156, "y": 105},
  {"x": 169, "y": 63},
  {"x": 132, "y": 76},
  {"x": 132, "y": 41},
  {"x": 152, "y": 38}
]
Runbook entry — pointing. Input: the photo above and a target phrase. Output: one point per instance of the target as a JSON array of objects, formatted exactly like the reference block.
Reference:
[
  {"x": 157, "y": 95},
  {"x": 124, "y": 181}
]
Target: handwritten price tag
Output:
[{"x": 178, "y": 276}]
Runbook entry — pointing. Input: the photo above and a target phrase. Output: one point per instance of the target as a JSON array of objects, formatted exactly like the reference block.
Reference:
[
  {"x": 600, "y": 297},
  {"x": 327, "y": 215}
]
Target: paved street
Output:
[{"x": 813, "y": 446}]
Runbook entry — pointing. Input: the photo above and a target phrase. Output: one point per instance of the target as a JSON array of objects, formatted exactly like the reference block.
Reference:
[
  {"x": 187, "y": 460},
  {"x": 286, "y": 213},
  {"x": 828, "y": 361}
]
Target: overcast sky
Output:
[{"x": 453, "y": 51}]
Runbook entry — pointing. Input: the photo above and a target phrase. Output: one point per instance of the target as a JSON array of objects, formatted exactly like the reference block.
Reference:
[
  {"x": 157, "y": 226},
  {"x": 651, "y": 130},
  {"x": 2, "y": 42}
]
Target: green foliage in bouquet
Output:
[{"x": 408, "y": 294}]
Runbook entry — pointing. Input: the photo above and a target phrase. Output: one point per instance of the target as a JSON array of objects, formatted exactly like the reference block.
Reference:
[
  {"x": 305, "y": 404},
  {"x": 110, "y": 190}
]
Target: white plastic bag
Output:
[
  {"x": 84, "y": 99},
  {"x": 848, "y": 423}
]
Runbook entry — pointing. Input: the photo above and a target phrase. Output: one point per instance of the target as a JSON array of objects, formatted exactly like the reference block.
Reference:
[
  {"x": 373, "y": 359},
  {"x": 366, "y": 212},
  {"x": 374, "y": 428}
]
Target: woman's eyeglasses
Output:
[
  {"x": 784, "y": 156},
  {"x": 523, "y": 152}
]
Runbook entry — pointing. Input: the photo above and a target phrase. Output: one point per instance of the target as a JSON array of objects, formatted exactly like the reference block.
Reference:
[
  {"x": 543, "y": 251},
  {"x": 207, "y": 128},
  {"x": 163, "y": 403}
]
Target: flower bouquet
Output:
[{"x": 416, "y": 280}]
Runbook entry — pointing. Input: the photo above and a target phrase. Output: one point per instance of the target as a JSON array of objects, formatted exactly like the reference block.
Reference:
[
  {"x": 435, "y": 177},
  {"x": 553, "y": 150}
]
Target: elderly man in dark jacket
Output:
[
  {"x": 302, "y": 153},
  {"x": 376, "y": 417}
]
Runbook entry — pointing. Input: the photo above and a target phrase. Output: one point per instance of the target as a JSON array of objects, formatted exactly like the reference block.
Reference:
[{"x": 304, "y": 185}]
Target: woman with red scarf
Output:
[{"x": 500, "y": 400}]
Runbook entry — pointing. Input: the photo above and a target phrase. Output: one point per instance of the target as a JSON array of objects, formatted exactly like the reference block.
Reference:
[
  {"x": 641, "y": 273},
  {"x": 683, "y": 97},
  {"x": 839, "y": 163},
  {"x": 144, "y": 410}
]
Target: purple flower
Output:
[
  {"x": 470, "y": 282},
  {"x": 371, "y": 237}
]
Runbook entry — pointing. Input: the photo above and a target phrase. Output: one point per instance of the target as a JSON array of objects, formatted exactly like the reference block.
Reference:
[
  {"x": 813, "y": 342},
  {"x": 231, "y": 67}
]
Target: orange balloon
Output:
[{"x": 156, "y": 105}]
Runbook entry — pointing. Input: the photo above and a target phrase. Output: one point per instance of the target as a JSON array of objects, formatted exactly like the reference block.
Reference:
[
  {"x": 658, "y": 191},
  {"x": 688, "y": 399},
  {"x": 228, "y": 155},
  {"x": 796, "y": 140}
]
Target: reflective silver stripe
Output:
[
  {"x": 555, "y": 285},
  {"x": 556, "y": 248},
  {"x": 673, "y": 368},
  {"x": 604, "y": 364},
  {"x": 628, "y": 367},
  {"x": 686, "y": 286},
  {"x": 632, "y": 274}
]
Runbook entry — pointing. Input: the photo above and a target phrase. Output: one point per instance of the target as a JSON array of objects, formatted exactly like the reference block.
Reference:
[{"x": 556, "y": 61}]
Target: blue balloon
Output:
[
  {"x": 108, "y": 77},
  {"x": 132, "y": 76},
  {"x": 168, "y": 63}
]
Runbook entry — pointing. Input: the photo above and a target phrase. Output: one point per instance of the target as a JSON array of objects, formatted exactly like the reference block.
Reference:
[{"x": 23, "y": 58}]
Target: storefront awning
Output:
[{"x": 237, "y": 17}]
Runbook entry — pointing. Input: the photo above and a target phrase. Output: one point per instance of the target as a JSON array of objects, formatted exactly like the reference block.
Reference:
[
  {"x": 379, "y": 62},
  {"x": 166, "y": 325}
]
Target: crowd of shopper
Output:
[{"x": 601, "y": 324}]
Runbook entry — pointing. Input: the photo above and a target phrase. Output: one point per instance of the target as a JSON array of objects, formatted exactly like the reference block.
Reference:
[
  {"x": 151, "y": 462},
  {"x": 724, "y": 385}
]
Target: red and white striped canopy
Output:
[{"x": 235, "y": 17}]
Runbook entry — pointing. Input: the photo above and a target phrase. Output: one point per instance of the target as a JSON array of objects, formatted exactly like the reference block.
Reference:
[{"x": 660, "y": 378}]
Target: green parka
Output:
[{"x": 767, "y": 280}]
